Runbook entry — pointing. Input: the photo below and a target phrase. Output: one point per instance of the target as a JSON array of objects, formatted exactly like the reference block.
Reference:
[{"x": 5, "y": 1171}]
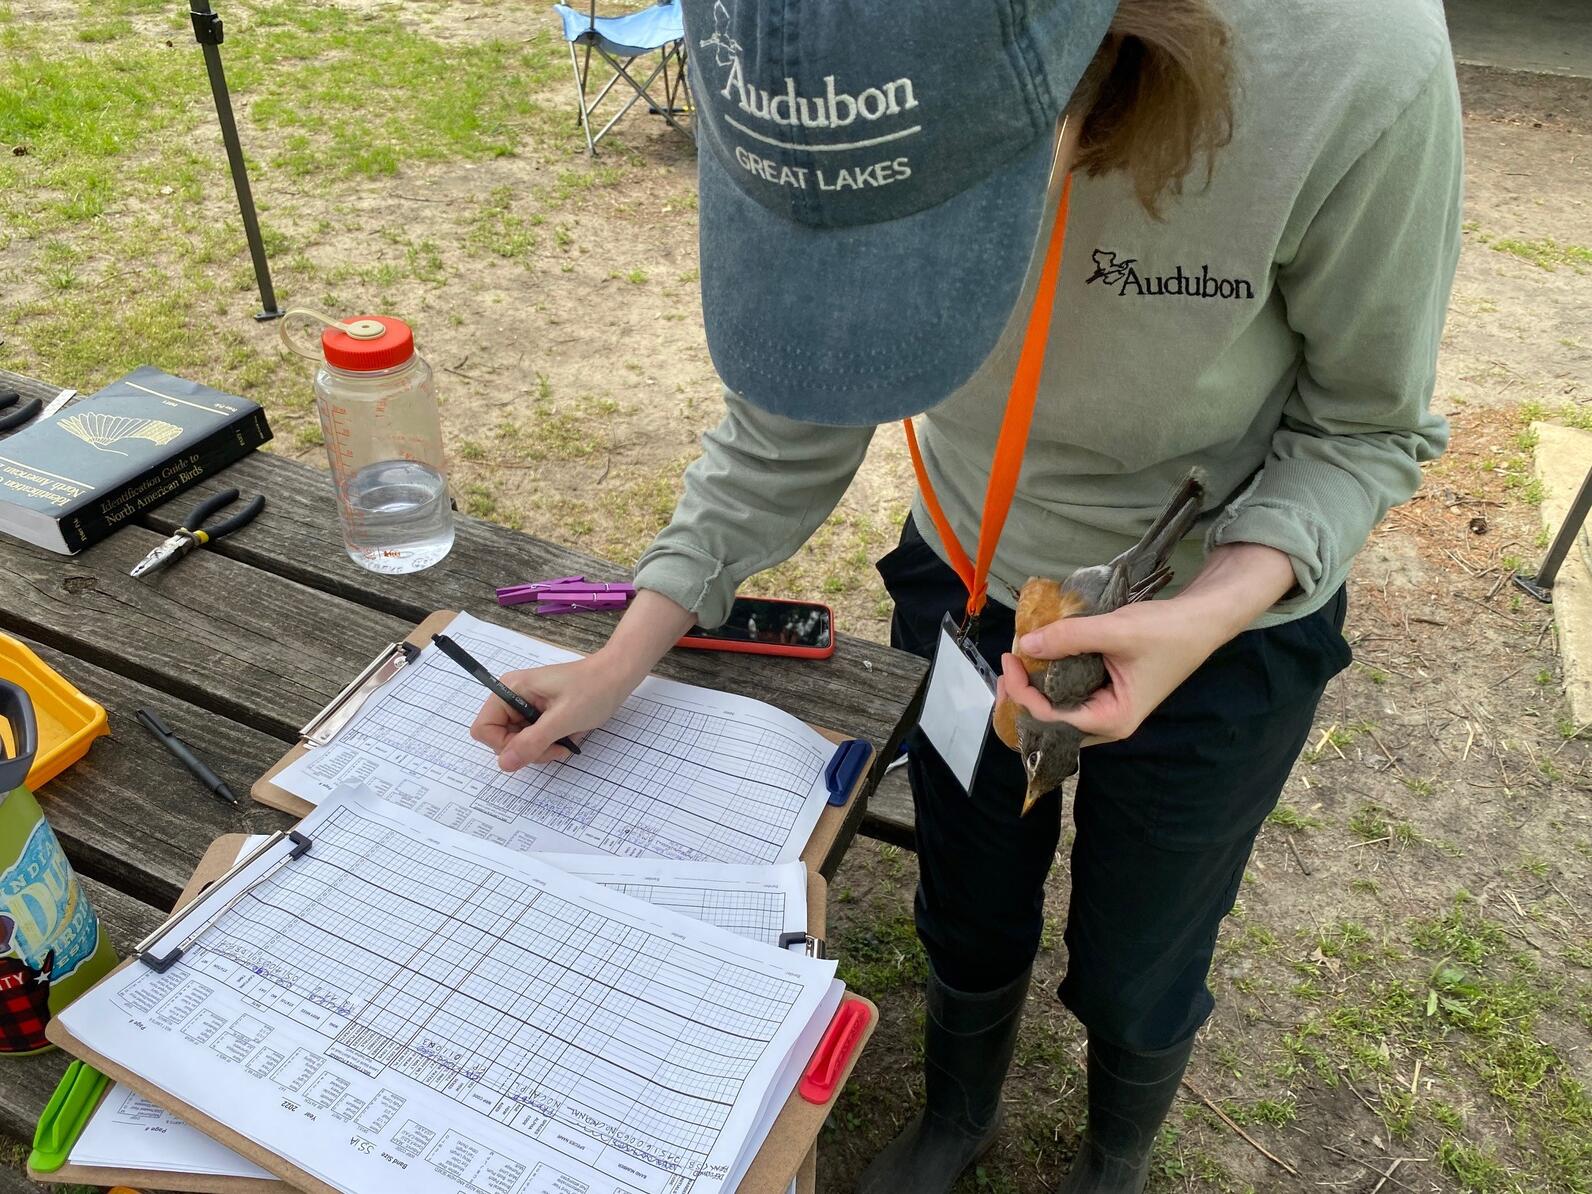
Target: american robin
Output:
[{"x": 1049, "y": 750}]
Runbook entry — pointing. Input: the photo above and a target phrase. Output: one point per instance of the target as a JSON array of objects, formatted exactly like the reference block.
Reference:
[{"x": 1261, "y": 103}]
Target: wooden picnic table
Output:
[{"x": 239, "y": 644}]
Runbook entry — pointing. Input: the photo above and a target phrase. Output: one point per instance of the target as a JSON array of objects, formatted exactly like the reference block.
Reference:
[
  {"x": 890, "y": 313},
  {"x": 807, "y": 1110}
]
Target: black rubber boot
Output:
[
  {"x": 967, "y": 1048},
  {"x": 1129, "y": 1096}
]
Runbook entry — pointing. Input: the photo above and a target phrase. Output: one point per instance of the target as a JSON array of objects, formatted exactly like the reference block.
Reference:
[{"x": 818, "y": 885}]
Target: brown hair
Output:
[{"x": 1158, "y": 96}]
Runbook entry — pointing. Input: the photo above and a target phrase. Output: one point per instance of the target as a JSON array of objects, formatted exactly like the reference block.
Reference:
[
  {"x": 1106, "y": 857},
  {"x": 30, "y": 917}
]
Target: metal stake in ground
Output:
[
  {"x": 207, "y": 32},
  {"x": 1540, "y": 586}
]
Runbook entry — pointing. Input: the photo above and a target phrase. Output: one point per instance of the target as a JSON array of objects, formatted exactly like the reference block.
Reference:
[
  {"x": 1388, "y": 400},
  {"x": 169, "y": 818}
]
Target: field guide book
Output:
[{"x": 68, "y": 481}]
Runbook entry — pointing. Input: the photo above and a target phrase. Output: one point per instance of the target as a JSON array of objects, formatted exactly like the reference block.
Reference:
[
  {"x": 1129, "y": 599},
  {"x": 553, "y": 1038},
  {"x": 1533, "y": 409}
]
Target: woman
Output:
[{"x": 1262, "y": 234}]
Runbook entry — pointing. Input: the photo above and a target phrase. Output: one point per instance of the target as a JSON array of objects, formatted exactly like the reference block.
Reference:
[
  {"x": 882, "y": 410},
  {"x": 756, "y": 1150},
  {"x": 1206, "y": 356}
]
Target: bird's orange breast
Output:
[{"x": 1040, "y": 603}]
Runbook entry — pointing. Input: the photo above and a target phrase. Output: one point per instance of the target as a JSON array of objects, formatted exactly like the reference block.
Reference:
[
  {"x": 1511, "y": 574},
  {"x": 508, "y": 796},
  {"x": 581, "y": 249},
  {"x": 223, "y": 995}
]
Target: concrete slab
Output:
[
  {"x": 1563, "y": 457},
  {"x": 1554, "y": 36}
]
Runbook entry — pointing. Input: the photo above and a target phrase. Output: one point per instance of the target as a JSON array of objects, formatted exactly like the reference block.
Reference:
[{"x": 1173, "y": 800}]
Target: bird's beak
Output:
[{"x": 1031, "y": 797}]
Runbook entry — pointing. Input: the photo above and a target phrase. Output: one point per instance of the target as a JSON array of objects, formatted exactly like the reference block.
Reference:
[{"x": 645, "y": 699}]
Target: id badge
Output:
[{"x": 958, "y": 704}]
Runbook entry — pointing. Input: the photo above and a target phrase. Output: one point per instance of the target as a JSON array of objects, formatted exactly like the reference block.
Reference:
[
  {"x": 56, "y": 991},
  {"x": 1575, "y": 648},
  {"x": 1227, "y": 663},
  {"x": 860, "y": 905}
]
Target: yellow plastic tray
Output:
[{"x": 68, "y": 721}]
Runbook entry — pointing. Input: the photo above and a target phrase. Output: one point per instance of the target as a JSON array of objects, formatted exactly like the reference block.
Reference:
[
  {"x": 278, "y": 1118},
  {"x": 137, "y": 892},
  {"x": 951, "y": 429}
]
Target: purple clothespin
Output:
[
  {"x": 524, "y": 594},
  {"x": 568, "y": 594}
]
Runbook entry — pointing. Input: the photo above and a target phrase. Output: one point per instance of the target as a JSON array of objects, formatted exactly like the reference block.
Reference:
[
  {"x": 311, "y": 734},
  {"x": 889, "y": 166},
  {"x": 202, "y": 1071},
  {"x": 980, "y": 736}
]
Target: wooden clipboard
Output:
[
  {"x": 790, "y": 1151},
  {"x": 266, "y": 792},
  {"x": 223, "y": 852}
]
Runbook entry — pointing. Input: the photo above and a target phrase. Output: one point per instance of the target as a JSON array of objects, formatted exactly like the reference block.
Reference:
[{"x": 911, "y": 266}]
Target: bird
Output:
[{"x": 1049, "y": 750}]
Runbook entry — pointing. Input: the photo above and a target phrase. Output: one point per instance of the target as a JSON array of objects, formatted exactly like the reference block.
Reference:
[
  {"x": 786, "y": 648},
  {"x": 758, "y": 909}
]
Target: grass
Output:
[
  {"x": 1369, "y": 823},
  {"x": 119, "y": 242},
  {"x": 882, "y": 958},
  {"x": 1546, "y": 253},
  {"x": 498, "y": 230},
  {"x": 1470, "y": 1010},
  {"x": 1286, "y": 816},
  {"x": 1332, "y": 740},
  {"x": 1570, "y": 414},
  {"x": 108, "y": 118},
  {"x": 1474, "y": 1168}
]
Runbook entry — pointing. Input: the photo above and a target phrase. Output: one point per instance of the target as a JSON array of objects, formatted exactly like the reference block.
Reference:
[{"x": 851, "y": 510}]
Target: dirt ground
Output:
[{"x": 1405, "y": 992}]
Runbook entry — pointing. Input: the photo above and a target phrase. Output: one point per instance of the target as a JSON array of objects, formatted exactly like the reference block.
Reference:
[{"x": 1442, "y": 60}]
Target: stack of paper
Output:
[
  {"x": 758, "y": 903},
  {"x": 400, "y": 1004},
  {"x": 695, "y": 802},
  {"x": 679, "y": 772}
]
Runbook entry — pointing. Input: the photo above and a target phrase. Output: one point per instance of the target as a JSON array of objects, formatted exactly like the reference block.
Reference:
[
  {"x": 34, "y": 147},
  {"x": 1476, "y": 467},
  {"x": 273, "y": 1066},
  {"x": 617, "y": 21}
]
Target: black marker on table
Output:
[
  {"x": 212, "y": 782},
  {"x": 495, "y": 686}
]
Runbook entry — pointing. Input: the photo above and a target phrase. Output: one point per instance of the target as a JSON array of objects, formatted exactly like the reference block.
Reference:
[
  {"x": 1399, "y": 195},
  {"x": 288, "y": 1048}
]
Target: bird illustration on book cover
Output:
[
  {"x": 104, "y": 431},
  {"x": 1049, "y": 750}
]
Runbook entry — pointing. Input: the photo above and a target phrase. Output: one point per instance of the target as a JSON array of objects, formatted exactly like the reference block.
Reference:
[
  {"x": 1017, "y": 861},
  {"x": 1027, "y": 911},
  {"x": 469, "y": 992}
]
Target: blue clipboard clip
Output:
[{"x": 840, "y": 776}]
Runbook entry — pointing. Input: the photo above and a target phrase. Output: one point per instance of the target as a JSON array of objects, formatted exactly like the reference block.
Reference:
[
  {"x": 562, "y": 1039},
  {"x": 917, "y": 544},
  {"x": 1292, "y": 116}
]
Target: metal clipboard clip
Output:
[
  {"x": 813, "y": 947},
  {"x": 326, "y": 724},
  {"x": 158, "y": 951}
]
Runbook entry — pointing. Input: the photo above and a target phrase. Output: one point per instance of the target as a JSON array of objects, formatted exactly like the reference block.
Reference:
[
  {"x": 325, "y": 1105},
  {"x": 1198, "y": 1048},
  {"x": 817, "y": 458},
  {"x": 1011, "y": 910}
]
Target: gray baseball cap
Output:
[{"x": 872, "y": 185}]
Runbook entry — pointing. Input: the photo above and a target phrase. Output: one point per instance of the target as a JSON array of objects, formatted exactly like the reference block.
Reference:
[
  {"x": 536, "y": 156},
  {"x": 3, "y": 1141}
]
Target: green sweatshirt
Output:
[{"x": 1278, "y": 327}]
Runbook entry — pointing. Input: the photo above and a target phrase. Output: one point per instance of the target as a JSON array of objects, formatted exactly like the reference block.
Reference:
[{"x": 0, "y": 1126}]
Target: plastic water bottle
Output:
[{"x": 378, "y": 407}]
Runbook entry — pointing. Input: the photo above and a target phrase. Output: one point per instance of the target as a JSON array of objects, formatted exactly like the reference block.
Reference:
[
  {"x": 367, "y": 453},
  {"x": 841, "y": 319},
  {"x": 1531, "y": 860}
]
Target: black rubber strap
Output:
[
  {"x": 211, "y": 504},
  {"x": 241, "y": 519},
  {"x": 17, "y": 708},
  {"x": 22, "y": 414}
]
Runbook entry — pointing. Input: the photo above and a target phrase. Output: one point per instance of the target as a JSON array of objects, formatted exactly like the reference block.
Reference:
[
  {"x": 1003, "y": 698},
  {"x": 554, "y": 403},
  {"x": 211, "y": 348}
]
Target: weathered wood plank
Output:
[
  {"x": 222, "y": 635},
  {"x": 298, "y": 537},
  {"x": 864, "y": 690},
  {"x": 129, "y": 813},
  {"x": 30, "y": 1080},
  {"x": 127, "y": 919},
  {"x": 890, "y": 816},
  {"x": 28, "y": 387},
  {"x": 15, "y": 1181},
  {"x": 860, "y": 691}
]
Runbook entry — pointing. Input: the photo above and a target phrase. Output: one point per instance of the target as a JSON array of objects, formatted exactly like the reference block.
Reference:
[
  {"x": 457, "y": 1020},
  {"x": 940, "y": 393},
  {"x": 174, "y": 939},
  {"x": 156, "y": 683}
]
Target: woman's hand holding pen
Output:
[{"x": 577, "y": 697}]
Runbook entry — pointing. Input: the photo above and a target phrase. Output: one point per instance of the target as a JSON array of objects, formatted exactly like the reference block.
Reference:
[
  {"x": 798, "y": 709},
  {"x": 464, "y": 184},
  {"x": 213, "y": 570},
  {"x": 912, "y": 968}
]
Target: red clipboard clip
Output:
[{"x": 834, "y": 1052}]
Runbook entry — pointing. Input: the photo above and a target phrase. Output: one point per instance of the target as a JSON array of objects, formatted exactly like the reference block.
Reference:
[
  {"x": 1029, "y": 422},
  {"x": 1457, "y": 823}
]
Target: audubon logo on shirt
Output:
[{"x": 1124, "y": 277}]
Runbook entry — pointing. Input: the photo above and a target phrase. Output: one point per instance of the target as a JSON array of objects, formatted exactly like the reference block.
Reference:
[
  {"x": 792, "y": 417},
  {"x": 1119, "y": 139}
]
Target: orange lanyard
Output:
[{"x": 1013, "y": 437}]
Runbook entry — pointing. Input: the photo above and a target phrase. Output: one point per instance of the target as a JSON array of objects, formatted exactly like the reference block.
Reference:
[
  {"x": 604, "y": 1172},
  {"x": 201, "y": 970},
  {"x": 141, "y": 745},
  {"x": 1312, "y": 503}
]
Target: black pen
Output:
[
  {"x": 213, "y": 783},
  {"x": 498, "y": 689}
]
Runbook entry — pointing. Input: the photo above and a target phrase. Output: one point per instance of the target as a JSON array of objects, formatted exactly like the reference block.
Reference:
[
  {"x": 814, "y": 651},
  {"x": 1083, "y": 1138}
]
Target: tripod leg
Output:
[{"x": 208, "y": 33}]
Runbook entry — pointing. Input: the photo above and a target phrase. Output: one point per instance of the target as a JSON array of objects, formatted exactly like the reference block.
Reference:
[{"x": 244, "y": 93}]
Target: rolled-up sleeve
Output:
[
  {"x": 761, "y": 487},
  {"x": 1367, "y": 291}
]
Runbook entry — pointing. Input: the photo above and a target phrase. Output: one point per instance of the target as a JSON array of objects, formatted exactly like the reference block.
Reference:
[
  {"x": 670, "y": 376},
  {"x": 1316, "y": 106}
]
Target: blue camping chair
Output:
[{"x": 621, "y": 42}]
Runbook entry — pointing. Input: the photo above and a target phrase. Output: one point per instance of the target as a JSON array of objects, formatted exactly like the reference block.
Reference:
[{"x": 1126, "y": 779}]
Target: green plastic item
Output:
[{"x": 65, "y": 1116}]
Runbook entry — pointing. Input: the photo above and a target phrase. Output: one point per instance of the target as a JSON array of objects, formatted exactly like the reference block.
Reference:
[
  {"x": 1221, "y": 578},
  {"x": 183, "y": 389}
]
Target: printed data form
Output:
[
  {"x": 130, "y": 1132},
  {"x": 400, "y": 1008},
  {"x": 679, "y": 772},
  {"x": 761, "y": 903}
]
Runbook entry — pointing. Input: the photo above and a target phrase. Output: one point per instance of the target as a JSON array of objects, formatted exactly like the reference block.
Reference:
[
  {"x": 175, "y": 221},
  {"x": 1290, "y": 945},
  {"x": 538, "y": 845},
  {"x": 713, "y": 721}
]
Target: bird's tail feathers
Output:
[
  {"x": 1146, "y": 562},
  {"x": 1150, "y": 585}
]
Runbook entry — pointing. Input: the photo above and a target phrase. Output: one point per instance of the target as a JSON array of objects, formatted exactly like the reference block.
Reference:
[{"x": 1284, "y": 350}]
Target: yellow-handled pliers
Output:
[{"x": 192, "y": 534}]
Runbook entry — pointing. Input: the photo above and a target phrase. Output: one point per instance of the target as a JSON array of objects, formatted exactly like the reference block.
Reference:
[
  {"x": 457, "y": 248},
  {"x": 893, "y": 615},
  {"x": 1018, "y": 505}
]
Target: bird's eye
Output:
[{"x": 1032, "y": 761}]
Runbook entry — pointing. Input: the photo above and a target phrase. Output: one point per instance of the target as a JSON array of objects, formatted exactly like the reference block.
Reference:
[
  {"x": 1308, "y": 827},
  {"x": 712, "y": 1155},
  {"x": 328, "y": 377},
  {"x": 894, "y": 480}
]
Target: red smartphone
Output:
[{"x": 768, "y": 626}]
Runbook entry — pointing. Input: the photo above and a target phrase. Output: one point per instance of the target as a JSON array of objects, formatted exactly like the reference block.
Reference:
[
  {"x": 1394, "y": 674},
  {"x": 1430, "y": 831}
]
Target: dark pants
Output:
[{"x": 1165, "y": 820}]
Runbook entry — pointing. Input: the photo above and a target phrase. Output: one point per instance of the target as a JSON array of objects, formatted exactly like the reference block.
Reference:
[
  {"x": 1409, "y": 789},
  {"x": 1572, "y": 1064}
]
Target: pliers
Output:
[
  {"x": 23, "y": 414},
  {"x": 191, "y": 535}
]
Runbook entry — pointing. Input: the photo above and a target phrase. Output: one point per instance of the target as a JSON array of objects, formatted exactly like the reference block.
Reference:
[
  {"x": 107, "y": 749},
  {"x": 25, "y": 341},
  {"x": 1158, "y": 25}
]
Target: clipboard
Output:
[
  {"x": 790, "y": 1151},
  {"x": 217, "y": 860},
  {"x": 845, "y": 775}
]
